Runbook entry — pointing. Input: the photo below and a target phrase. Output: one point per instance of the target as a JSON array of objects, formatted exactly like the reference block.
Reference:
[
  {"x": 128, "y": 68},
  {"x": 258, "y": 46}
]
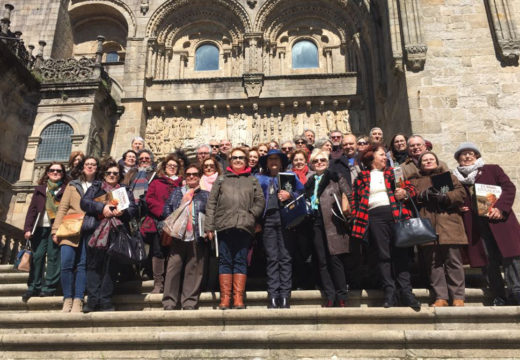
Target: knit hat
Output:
[{"x": 466, "y": 146}]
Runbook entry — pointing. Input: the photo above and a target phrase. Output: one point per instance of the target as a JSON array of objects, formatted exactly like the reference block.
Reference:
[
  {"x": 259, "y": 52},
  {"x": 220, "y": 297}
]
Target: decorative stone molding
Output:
[
  {"x": 253, "y": 84},
  {"x": 67, "y": 70},
  {"x": 503, "y": 31},
  {"x": 395, "y": 36},
  {"x": 411, "y": 33},
  {"x": 252, "y": 3},
  {"x": 145, "y": 6}
]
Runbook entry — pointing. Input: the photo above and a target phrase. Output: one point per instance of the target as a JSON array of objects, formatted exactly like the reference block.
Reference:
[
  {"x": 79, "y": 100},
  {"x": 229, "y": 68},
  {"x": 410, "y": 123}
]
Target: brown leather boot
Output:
[
  {"x": 226, "y": 281},
  {"x": 239, "y": 286},
  {"x": 158, "y": 275}
]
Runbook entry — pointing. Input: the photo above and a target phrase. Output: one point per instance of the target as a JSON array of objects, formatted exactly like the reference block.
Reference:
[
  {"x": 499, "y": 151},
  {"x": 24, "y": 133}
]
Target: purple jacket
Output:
[
  {"x": 37, "y": 205},
  {"x": 506, "y": 232}
]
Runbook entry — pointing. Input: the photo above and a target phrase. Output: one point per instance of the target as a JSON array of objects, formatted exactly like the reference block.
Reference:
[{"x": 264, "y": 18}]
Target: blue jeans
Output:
[
  {"x": 233, "y": 245},
  {"x": 73, "y": 258}
]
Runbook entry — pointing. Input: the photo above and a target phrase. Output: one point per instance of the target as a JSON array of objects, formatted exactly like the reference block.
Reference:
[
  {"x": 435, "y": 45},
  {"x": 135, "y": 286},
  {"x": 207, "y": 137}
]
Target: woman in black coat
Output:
[{"x": 100, "y": 216}]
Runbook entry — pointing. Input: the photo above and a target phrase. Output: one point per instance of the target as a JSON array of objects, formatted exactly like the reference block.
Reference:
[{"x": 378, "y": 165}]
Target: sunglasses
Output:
[
  {"x": 57, "y": 171},
  {"x": 320, "y": 160},
  {"x": 300, "y": 142},
  {"x": 192, "y": 174},
  {"x": 287, "y": 148},
  {"x": 336, "y": 137},
  {"x": 91, "y": 165},
  {"x": 238, "y": 157},
  {"x": 112, "y": 173},
  {"x": 214, "y": 146},
  {"x": 362, "y": 143}
]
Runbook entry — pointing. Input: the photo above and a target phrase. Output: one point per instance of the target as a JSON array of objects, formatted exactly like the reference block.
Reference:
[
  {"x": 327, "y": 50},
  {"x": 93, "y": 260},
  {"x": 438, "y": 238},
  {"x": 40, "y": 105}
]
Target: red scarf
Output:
[
  {"x": 301, "y": 173},
  {"x": 247, "y": 170}
]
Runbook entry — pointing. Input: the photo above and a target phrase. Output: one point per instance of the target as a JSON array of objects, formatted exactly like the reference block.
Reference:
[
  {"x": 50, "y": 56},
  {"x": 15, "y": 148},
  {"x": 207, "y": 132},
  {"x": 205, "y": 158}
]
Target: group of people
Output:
[{"x": 206, "y": 218}]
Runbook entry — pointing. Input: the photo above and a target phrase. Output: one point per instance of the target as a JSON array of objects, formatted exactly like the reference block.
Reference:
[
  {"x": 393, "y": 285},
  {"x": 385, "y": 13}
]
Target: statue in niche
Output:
[
  {"x": 343, "y": 122},
  {"x": 229, "y": 126},
  {"x": 242, "y": 129},
  {"x": 329, "y": 119},
  {"x": 265, "y": 127}
]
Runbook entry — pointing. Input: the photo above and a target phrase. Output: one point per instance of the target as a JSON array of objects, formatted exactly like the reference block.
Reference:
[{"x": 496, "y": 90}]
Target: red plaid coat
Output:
[{"x": 361, "y": 193}]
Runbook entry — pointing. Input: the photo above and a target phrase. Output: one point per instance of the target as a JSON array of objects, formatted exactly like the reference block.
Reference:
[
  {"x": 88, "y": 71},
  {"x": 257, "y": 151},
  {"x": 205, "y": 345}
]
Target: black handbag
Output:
[
  {"x": 413, "y": 231},
  {"x": 124, "y": 247},
  {"x": 295, "y": 212}
]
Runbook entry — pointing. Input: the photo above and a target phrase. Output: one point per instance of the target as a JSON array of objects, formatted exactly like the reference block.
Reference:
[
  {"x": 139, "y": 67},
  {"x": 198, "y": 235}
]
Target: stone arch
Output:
[
  {"x": 117, "y": 5},
  {"x": 159, "y": 19},
  {"x": 37, "y": 130}
]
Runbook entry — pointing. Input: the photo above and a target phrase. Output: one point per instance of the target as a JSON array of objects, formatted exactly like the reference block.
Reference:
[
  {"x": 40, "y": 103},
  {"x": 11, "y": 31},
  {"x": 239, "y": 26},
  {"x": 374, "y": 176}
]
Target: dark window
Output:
[
  {"x": 112, "y": 56},
  {"x": 206, "y": 58},
  {"x": 304, "y": 55},
  {"x": 56, "y": 142}
]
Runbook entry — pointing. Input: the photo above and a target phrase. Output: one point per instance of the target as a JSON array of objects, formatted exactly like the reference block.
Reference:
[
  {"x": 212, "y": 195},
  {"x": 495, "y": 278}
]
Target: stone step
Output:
[
  {"x": 266, "y": 344},
  {"x": 305, "y": 319},
  {"x": 6, "y": 268},
  {"x": 254, "y": 299}
]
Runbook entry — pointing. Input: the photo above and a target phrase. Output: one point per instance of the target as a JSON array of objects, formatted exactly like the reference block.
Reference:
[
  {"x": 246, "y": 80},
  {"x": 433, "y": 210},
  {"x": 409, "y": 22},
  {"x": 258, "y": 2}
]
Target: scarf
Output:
[
  {"x": 400, "y": 157},
  {"x": 301, "y": 173},
  {"x": 315, "y": 198},
  {"x": 247, "y": 170},
  {"x": 140, "y": 183},
  {"x": 100, "y": 237},
  {"x": 206, "y": 182},
  {"x": 51, "y": 203},
  {"x": 467, "y": 174},
  {"x": 188, "y": 198}
]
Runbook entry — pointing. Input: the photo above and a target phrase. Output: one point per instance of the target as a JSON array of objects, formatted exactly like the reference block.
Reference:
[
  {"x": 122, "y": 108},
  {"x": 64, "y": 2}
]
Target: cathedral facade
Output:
[{"x": 182, "y": 72}]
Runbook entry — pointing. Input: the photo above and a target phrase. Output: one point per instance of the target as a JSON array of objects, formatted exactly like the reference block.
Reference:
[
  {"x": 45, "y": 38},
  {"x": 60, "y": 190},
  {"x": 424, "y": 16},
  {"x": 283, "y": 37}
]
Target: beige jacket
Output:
[{"x": 69, "y": 205}]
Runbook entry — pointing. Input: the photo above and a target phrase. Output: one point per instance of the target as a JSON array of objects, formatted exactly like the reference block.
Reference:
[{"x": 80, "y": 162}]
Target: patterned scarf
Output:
[
  {"x": 99, "y": 238},
  {"x": 468, "y": 174},
  {"x": 361, "y": 194},
  {"x": 51, "y": 203},
  {"x": 301, "y": 173},
  {"x": 315, "y": 198},
  {"x": 140, "y": 183},
  {"x": 188, "y": 198}
]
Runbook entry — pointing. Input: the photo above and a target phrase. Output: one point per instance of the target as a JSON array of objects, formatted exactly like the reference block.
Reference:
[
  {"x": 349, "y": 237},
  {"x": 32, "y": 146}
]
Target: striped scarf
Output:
[{"x": 361, "y": 194}]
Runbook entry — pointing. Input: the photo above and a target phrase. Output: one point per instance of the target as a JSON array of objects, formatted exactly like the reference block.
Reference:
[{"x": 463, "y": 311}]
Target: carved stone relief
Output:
[
  {"x": 251, "y": 124},
  {"x": 503, "y": 30}
]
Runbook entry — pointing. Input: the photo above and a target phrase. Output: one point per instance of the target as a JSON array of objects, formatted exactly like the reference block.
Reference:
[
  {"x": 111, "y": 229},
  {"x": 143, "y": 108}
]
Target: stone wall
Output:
[{"x": 464, "y": 92}]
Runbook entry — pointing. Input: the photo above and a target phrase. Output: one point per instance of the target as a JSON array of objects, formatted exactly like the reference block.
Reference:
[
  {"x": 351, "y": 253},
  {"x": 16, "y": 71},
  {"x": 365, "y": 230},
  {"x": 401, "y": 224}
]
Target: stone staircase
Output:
[{"x": 38, "y": 329}]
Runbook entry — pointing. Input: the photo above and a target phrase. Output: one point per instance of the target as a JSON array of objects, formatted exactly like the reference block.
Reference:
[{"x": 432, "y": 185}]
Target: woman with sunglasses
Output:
[
  {"x": 187, "y": 255},
  {"x": 72, "y": 249},
  {"x": 377, "y": 204},
  {"x": 210, "y": 172},
  {"x": 169, "y": 177},
  {"x": 100, "y": 216},
  {"x": 138, "y": 179},
  {"x": 330, "y": 236},
  {"x": 235, "y": 203},
  {"x": 37, "y": 228}
]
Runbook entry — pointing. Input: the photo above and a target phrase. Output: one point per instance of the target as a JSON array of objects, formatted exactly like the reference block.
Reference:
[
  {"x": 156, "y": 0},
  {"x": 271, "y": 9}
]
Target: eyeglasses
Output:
[
  {"x": 209, "y": 165},
  {"x": 238, "y": 157},
  {"x": 142, "y": 159},
  {"x": 172, "y": 166},
  {"x": 203, "y": 153},
  {"x": 287, "y": 148},
  {"x": 467, "y": 153},
  {"x": 192, "y": 174},
  {"x": 300, "y": 142},
  {"x": 112, "y": 173},
  {"x": 319, "y": 160},
  {"x": 57, "y": 171},
  {"x": 91, "y": 165},
  {"x": 336, "y": 137},
  {"x": 362, "y": 143}
]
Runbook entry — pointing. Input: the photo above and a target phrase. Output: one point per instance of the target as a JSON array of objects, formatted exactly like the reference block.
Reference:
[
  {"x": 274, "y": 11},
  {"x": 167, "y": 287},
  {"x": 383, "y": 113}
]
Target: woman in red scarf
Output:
[
  {"x": 300, "y": 166},
  {"x": 234, "y": 205}
]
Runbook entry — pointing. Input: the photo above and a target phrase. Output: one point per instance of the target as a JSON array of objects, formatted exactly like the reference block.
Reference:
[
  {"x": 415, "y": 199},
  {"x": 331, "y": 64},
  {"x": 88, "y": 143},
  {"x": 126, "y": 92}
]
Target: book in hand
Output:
[
  {"x": 399, "y": 177},
  {"x": 118, "y": 198},
  {"x": 443, "y": 182},
  {"x": 287, "y": 181},
  {"x": 486, "y": 197}
]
